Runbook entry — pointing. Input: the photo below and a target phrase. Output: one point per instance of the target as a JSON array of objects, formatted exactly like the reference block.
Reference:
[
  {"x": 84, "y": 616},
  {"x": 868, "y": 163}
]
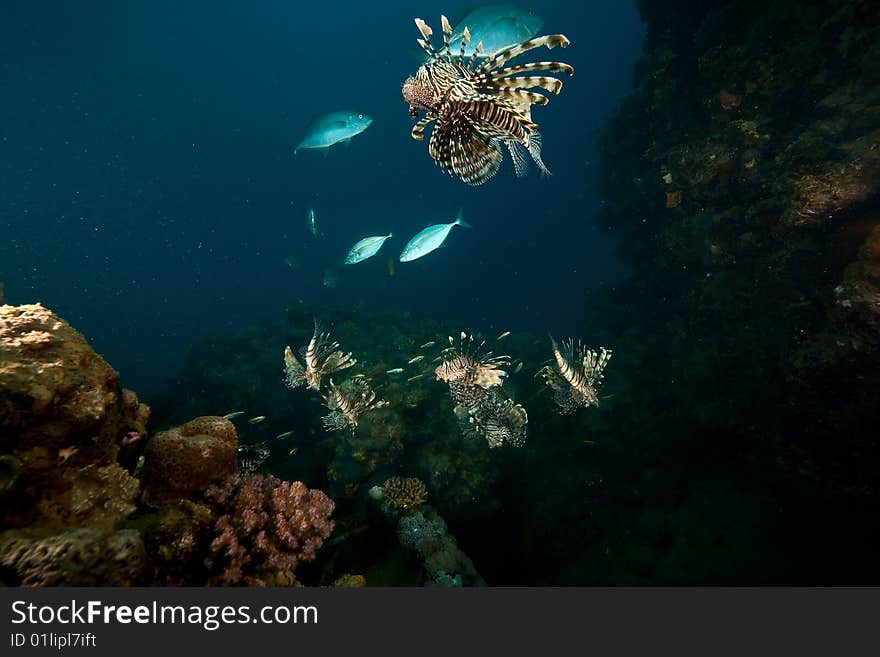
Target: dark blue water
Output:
[{"x": 148, "y": 195}]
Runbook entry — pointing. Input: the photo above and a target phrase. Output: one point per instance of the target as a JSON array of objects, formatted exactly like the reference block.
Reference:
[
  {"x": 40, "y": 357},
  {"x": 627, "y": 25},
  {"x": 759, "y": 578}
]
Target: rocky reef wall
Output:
[{"x": 743, "y": 173}]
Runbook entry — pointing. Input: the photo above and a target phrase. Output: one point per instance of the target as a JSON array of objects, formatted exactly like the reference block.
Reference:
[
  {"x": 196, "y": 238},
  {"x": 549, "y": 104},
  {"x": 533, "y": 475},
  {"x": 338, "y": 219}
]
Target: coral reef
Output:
[
  {"x": 766, "y": 120},
  {"x": 185, "y": 460},
  {"x": 402, "y": 492},
  {"x": 63, "y": 417},
  {"x": 78, "y": 557},
  {"x": 443, "y": 562},
  {"x": 264, "y": 529}
]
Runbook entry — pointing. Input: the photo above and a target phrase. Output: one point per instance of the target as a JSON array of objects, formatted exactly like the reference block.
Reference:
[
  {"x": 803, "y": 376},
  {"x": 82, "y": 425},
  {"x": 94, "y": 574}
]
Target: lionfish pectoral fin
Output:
[
  {"x": 535, "y": 151},
  {"x": 520, "y": 157}
]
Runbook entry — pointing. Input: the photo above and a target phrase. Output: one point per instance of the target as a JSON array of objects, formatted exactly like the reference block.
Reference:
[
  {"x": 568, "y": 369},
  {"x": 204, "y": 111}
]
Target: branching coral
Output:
[
  {"x": 265, "y": 528},
  {"x": 404, "y": 492}
]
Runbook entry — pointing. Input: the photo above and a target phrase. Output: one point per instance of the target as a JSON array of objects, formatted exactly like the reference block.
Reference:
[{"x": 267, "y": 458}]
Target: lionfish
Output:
[
  {"x": 478, "y": 106},
  {"x": 346, "y": 402},
  {"x": 468, "y": 371},
  {"x": 577, "y": 374},
  {"x": 321, "y": 357},
  {"x": 475, "y": 381},
  {"x": 498, "y": 419}
]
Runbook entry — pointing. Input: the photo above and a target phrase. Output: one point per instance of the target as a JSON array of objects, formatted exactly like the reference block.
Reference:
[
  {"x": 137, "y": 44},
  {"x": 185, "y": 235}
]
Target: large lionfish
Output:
[
  {"x": 478, "y": 106},
  {"x": 577, "y": 374},
  {"x": 346, "y": 402},
  {"x": 320, "y": 358}
]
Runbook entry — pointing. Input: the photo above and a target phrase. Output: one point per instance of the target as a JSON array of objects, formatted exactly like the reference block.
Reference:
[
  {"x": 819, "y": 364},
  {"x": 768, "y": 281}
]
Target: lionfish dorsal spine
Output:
[{"x": 504, "y": 55}]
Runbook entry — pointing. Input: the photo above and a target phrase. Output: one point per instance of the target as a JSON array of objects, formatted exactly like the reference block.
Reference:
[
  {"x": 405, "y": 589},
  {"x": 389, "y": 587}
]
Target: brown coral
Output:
[
  {"x": 265, "y": 529},
  {"x": 79, "y": 557},
  {"x": 62, "y": 417},
  {"x": 404, "y": 492},
  {"x": 187, "y": 459}
]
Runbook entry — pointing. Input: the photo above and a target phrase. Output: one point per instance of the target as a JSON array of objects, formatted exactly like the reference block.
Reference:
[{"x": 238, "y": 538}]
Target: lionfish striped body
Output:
[
  {"x": 320, "y": 357},
  {"x": 475, "y": 381},
  {"x": 346, "y": 402},
  {"x": 577, "y": 375},
  {"x": 479, "y": 105}
]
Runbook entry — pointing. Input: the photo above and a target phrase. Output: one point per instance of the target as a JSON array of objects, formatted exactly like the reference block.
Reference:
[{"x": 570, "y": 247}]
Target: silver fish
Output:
[
  {"x": 518, "y": 368},
  {"x": 396, "y": 370},
  {"x": 498, "y": 26},
  {"x": 332, "y": 129},
  {"x": 429, "y": 239},
  {"x": 312, "y": 221},
  {"x": 503, "y": 335},
  {"x": 427, "y": 344},
  {"x": 282, "y": 436},
  {"x": 366, "y": 248},
  {"x": 416, "y": 377},
  {"x": 233, "y": 415},
  {"x": 257, "y": 420},
  {"x": 415, "y": 359}
]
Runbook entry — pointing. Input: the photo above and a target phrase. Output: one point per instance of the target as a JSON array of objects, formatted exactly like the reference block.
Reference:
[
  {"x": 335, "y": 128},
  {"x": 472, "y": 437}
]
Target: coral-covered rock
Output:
[
  {"x": 176, "y": 537},
  {"x": 265, "y": 528},
  {"x": 350, "y": 581},
  {"x": 63, "y": 416},
  {"x": 79, "y": 557},
  {"x": 187, "y": 459}
]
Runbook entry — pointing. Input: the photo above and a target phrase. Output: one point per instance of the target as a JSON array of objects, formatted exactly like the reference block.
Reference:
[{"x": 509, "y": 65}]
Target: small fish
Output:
[
  {"x": 429, "y": 239},
  {"x": 293, "y": 451},
  {"x": 251, "y": 457},
  {"x": 396, "y": 370},
  {"x": 233, "y": 415},
  {"x": 503, "y": 335},
  {"x": 428, "y": 344},
  {"x": 291, "y": 261},
  {"x": 312, "y": 221},
  {"x": 333, "y": 128},
  {"x": 415, "y": 359},
  {"x": 518, "y": 368},
  {"x": 282, "y": 436},
  {"x": 438, "y": 359},
  {"x": 366, "y": 248},
  {"x": 257, "y": 419},
  {"x": 417, "y": 376}
]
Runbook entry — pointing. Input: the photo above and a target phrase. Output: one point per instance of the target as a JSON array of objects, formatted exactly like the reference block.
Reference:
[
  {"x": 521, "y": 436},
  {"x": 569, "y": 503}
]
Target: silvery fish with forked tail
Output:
[
  {"x": 430, "y": 239},
  {"x": 366, "y": 248},
  {"x": 332, "y": 129}
]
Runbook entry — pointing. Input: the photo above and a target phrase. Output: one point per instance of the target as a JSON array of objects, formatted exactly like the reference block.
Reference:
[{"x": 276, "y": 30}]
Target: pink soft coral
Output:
[{"x": 265, "y": 528}]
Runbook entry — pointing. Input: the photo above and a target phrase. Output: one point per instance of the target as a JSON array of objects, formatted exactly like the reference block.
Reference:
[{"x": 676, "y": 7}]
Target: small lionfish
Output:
[
  {"x": 577, "y": 374},
  {"x": 321, "y": 357},
  {"x": 469, "y": 372},
  {"x": 478, "y": 106},
  {"x": 346, "y": 402},
  {"x": 499, "y": 420}
]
